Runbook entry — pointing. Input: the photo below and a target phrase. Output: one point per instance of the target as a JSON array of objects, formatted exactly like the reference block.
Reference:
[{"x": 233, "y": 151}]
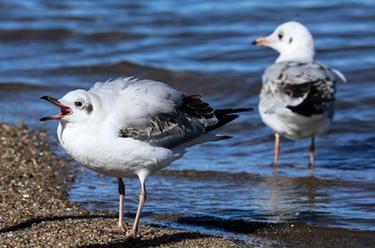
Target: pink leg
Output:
[
  {"x": 276, "y": 150},
  {"x": 312, "y": 153},
  {"x": 142, "y": 198},
  {"x": 120, "y": 225},
  {"x": 121, "y": 191}
]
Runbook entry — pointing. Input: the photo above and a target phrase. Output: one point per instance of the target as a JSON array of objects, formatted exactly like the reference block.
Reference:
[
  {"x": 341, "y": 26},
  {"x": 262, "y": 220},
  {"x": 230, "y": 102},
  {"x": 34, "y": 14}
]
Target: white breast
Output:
[
  {"x": 112, "y": 155},
  {"x": 291, "y": 125}
]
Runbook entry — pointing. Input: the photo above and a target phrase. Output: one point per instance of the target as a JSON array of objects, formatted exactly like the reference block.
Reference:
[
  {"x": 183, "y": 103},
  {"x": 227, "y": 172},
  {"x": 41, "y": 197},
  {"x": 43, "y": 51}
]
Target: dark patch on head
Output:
[
  {"x": 89, "y": 108},
  {"x": 290, "y": 40}
]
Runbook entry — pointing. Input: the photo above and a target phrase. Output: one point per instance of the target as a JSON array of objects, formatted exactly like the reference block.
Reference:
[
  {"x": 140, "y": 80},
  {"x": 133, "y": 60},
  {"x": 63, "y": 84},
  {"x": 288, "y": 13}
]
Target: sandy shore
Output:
[{"x": 34, "y": 211}]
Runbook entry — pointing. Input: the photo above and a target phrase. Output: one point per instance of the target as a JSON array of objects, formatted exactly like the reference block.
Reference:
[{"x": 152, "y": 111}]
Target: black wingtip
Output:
[
  {"x": 226, "y": 136},
  {"x": 223, "y": 120},
  {"x": 44, "y": 97},
  {"x": 254, "y": 43},
  {"x": 239, "y": 110},
  {"x": 232, "y": 110},
  {"x": 249, "y": 109}
]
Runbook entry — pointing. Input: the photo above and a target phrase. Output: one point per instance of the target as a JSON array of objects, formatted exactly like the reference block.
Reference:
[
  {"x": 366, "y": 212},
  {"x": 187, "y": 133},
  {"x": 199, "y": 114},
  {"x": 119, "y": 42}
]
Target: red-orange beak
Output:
[
  {"x": 262, "y": 41},
  {"x": 65, "y": 110}
]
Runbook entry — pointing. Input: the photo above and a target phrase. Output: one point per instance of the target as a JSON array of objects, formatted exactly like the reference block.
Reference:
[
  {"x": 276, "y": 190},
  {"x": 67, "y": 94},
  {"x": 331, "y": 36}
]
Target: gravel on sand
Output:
[{"x": 35, "y": 212}]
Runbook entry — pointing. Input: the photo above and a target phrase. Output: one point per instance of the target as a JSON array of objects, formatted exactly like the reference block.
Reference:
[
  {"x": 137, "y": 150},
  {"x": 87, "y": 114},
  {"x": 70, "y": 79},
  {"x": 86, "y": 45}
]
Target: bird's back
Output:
[
  {"x": 155, "y": 113},
  {"x": 299, "y": 92}
]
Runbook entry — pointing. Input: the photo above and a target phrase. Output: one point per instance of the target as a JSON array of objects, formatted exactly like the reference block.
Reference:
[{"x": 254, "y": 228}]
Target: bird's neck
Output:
[{"x": 301, "y": 55}]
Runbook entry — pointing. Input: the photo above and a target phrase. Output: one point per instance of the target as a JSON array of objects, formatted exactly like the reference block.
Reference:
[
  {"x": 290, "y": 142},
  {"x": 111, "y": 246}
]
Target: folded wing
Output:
[
  {"x": 155, "y": 113},
  {"x": 304, "y": 88}
]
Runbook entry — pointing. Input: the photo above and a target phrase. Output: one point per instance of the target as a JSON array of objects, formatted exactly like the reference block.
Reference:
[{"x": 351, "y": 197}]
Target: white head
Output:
[
  {"x": 292, "y": 40},
  {"x": 75, "y": 107}
]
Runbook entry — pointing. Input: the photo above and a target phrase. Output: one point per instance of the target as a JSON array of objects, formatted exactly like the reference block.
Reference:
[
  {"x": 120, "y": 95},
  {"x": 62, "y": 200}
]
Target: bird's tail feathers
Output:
[
  {"x": 225, "y": 116},
  {"x": 340, "y": 75}
]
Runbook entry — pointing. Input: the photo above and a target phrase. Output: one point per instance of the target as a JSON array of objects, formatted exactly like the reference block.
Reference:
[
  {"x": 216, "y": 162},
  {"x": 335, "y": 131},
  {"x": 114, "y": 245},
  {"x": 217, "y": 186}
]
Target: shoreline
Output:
[{"x": 35, "y": 211}]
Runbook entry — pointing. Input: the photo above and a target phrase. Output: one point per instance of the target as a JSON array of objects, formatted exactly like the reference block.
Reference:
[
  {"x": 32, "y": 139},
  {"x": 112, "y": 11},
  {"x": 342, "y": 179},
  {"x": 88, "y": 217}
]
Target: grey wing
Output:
[
  {"x": 305, "y": 88},
  {"x": 188, "y": 121}
]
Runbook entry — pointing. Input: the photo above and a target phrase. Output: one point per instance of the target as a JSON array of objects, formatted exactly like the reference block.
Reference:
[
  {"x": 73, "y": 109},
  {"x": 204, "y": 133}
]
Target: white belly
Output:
[
  {"x": 114, "y": 156},
  {"x": 294, "y": 126}
]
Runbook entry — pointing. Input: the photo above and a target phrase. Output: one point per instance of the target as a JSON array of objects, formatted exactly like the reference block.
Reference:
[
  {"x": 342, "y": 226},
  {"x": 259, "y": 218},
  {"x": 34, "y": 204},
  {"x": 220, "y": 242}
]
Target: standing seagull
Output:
[
  {"x": 130, "y": 127},
  {"x": 298, "y": 93}
]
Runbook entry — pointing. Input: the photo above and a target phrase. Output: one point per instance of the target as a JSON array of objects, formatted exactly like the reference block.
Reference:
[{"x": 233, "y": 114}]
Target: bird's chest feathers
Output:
[{"x": 81, "y": 143}]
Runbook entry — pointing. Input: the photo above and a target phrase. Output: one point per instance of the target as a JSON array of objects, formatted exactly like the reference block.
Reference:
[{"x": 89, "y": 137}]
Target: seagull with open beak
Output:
[
  {"x": 64, "y": 110},
  {"x": 130, "y": 127}
]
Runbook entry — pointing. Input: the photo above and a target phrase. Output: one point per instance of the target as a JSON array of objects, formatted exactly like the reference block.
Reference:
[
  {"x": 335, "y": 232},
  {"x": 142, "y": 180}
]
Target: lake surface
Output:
[{"x": 51, "y": 47}]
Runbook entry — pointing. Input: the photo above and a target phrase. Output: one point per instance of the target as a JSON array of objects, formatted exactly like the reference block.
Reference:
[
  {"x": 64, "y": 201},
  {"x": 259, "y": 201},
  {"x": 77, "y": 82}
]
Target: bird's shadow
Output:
[
  {"x": 36, "y": 220},
  {"x": 120, "y": 242},
  {"x": 153, "y": 242}
]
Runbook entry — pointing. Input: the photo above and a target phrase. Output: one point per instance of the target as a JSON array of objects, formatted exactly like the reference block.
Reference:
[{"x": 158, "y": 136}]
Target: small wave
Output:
[
  {"x": 293, "y": 232},
  {"x": 113, "y": 36},
  {"x": 303, "y": 181},
  {"x": 185, "y": 81},
  {"x": 210, "y": 175},
  {"x": 190, "y": 82},
  {"x": 232, "y": 225},
  {"x": 114, "y": 68},
  {"x": 33, "y": 34},
  {"x": 17, "y": 86}
]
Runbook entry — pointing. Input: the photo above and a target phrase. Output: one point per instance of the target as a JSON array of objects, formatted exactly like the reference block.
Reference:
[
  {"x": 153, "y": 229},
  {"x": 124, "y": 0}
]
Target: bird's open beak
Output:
[
  {"x": 65, "y": 110},
  {"x": 262, "y": 41}
]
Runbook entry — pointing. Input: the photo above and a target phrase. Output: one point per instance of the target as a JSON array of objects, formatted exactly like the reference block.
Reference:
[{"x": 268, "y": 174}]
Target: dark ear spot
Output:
[
  {"x": 290, "y": 40},
  {"x": 89, "y": 108}
]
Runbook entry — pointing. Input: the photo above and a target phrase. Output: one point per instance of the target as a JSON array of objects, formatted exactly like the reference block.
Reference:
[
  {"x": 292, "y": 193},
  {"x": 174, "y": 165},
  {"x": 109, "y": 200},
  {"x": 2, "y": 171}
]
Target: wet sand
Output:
[{"x": 34, "y": 211}]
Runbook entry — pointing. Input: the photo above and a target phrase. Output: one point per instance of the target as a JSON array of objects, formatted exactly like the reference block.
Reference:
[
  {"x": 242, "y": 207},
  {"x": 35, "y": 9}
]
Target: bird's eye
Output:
[
  {"x": 280, "y": 35},
  {"x": 78, "y": 104}
]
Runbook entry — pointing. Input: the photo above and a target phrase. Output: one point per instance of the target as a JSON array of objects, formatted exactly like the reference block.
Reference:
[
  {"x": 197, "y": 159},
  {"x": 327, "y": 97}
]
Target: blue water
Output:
[{"x": 49, "y": 47}]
